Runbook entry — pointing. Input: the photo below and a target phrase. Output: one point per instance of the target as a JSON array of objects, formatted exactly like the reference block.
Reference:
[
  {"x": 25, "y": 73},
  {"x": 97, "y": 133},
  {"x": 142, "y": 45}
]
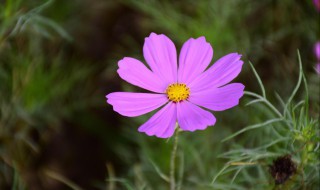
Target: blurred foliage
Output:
[
  {"x": 291, "y": 132},
  {"x": 58, "y": 59}
]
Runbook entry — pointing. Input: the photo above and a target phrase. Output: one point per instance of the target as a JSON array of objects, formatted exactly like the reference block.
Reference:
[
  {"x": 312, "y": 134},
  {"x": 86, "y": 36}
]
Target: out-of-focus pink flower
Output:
[
  {"x": 183, "y": 90},
  {"x": 317, "y": 68},
  {"x": 317, "y": 4},
  {"x": 316, "y": 50}
]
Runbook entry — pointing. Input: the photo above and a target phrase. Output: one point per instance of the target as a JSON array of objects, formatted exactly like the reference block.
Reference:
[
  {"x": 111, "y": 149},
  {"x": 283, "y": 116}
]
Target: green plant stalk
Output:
[
  {"x": 173, "y": 158},
  {"x": 304, "y": 160}
]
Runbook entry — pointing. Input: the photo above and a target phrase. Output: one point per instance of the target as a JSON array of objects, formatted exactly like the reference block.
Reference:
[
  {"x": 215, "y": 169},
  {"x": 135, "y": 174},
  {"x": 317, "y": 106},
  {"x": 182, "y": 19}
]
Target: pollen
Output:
[{"x": 178, "y": 92}]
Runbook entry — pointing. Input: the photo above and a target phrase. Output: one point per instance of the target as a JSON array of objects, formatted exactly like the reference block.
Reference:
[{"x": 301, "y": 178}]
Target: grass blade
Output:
[
  {"x": 250, "y": 127},
  {"x": 159, "y": 172},
  {"x": 219, "y": 173},
  {"x": 254, "y": 101},
  {"x": 259, "y": 80},
  {"x": 294, "y": 92},
  {"x": 63, "y": 180}
]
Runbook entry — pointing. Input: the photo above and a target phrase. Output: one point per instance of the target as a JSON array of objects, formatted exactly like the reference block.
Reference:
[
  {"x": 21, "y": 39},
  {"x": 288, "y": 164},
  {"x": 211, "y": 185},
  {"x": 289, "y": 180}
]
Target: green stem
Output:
[{"x": 173, "y": 158}]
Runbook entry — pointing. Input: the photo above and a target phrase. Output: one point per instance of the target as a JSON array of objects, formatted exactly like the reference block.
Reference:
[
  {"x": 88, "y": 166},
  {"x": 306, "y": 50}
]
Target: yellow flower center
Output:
[{"x": 177, "y": 92}]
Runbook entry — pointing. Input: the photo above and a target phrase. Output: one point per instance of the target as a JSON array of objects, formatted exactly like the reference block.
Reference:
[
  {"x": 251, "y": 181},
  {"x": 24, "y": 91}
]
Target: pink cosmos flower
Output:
[
  {"x": 317, "y": 4},
  {"x": 182, "y": 90},
  {"x": 316, "y": 50}
]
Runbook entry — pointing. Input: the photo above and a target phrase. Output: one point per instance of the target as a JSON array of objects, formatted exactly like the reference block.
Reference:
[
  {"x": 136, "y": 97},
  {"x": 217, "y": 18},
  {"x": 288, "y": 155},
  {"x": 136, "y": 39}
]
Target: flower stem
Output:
[{"x": 173, "y": 158}]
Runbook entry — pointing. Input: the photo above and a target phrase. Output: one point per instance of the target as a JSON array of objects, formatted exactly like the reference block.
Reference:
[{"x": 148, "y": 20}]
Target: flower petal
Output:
[
  {"x": 316, "y": 48},
  {"x": 195, "y": 56},
  {"x": 192, "y": 117},
  {"x": 136, "y": 73},
  {"x": 222, "y": 72},
  {"x": 161, "y": 124},
  {"x": 135, "y": 104},
  {"x": 161, "y": 55},
  {"x": 218, "y": 99}
]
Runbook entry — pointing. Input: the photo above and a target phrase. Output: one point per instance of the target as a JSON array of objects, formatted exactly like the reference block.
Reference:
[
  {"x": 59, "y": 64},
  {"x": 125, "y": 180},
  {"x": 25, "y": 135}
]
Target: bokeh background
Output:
[{"x": 58, "y": 60}]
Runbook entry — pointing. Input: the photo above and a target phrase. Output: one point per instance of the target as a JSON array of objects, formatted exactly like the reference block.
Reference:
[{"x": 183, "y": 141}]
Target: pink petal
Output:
[
  {"x": 317, "y": 4},
  {"x": 218, "y": 99},
  {"x": 192, "y": 117},
  {"x": 220, "y": 73},
  {"x": 316, "y": 49},
  {"x": 161, "y": 124},
  {"x": 160, "y": 53},
  {"x": 135, "y": 104},
  {"x": 195, "y": 56},
  {"x": 134, "y": 72}
]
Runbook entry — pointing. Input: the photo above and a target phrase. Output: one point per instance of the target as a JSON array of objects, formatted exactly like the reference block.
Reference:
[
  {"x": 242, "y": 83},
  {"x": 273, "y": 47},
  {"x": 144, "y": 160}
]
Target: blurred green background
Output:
[{"x": 58, "y": 60}]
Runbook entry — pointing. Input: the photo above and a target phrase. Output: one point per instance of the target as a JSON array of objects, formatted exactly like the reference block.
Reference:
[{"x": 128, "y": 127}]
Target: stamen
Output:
[{"x": 178, "y": 92}]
